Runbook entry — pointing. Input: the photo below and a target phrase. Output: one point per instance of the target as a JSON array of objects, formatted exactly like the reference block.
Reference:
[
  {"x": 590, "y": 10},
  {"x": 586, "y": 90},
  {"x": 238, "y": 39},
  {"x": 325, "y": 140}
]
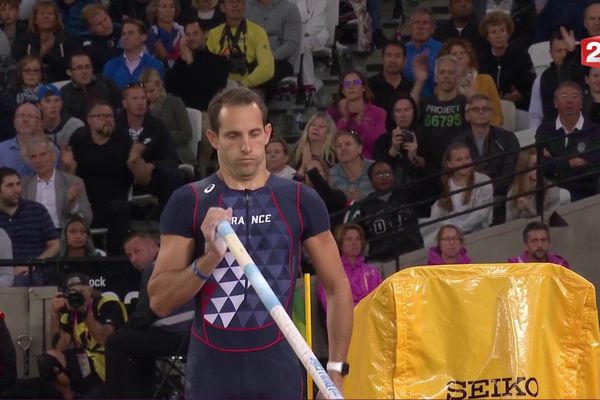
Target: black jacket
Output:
[
  {"x": 55, "y": 62},
  {"x": 199, "y": 81},
  {"x": 470, "y": 32},
  {"x": 514, "y": 67},
  {"x": 102, "y": 48},
  {"x": 77, "y": 99},
  {"x": 497, "y": 142},
  {"x": 391, "y": 226},
  {"x": 552, "y": 77}
]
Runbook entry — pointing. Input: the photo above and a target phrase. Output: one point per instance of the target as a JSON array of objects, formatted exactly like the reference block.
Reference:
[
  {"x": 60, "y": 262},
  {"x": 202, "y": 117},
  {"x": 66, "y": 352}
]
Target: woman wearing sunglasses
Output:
[{"x": 354, "y": 110}]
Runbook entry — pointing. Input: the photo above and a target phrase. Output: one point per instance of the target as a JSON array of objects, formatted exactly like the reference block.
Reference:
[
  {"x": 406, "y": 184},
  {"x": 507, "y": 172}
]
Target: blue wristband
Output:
[{"x": 197, "y": 272}]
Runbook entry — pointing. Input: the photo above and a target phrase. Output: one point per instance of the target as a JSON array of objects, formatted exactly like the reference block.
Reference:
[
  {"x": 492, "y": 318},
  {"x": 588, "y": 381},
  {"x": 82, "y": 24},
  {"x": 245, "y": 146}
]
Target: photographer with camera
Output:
[
  {"x": 245, "y": 44},
  {"x": 81, "y": 321}
]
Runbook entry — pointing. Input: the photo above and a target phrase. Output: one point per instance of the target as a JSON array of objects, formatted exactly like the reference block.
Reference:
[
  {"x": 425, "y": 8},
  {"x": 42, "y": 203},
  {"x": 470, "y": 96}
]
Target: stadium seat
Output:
[
  {"x": 510, "y": 115},
  {"x": 196, "y": 122},
  {"x": 540, "y": 56},
  {"x": 526, "y": 137}
]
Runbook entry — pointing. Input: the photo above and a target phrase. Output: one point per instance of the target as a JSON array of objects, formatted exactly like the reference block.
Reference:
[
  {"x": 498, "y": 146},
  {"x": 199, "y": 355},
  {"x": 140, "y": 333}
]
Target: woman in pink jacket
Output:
[
  {"x": 363, "y": 277},
  {"x": 450, "y": 247},
  {"x": 353, "y": 109}
]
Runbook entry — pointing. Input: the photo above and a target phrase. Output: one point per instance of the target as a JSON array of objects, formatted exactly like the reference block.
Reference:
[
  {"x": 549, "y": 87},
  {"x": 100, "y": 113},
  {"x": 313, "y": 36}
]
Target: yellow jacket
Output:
[{"x": 257, "y": 48}]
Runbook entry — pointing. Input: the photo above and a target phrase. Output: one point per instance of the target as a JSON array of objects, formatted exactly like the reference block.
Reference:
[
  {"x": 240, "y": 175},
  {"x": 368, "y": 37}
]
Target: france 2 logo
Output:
[{"x": 590, "y": 52}]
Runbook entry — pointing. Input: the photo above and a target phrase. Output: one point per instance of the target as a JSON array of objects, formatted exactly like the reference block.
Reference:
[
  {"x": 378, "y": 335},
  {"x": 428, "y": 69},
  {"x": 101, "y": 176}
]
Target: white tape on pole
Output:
[{"x": 278, "y": 313}]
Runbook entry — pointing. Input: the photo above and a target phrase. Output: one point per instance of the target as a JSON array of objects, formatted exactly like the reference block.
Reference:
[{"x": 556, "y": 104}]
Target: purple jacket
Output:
[
  {"x": 552, "y": 258},
  {"x": 363, "y": 279},
  {"x": 370, "y": 128},
  {"x": 435, "y": 258}
]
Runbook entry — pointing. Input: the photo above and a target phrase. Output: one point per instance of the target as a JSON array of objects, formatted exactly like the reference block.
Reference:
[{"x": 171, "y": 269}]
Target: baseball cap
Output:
[
  {"x": 74, "y": 278},
  {"x": 48, "y": 90}
]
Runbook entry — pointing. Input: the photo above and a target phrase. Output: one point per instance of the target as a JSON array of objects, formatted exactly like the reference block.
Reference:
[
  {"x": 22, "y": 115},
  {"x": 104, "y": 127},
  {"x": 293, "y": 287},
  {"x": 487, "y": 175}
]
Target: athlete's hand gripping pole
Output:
[{"x": 278, "y": 313}]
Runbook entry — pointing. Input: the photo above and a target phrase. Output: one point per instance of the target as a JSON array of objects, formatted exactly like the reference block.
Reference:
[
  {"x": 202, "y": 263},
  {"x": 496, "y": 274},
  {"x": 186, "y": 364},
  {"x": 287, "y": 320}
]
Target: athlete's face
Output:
[{"x": 241, "y": 141}]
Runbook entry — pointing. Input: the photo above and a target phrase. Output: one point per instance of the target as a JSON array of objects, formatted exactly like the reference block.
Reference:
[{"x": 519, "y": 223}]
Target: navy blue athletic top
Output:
[{"x": 272, "y": 222}]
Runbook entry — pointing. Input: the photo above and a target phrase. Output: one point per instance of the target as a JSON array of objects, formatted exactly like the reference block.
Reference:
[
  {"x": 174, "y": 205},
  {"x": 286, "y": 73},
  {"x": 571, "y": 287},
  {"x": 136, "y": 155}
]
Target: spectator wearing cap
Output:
[
  {"x": 81, "y": 321},
  {"x": 57, "y": 124},
  {"x": 86, "y": 87},
  {"x": 28, "y": 124},
  {"x": 103, "y": 41},
  {"x": 127, "y": 68},
  {"x": 62, "y": 194},
  {"x": 29, "y": 227}
]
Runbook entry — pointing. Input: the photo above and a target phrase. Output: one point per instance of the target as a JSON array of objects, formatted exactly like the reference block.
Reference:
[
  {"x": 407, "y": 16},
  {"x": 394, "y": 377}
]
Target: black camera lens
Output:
[{"x": 75, "y": 299}]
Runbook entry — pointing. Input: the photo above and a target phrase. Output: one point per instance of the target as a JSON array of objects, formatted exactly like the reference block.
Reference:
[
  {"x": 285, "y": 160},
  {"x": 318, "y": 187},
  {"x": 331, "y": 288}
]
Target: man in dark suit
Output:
[
  {"x": 61, "y": 193},
  {"x": 570, "y": 134}
]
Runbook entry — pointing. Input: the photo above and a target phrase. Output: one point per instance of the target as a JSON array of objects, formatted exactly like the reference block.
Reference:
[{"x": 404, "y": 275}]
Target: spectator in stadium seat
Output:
[
  {"x": 281, "y": 20},
  {"x": 316, "y": 174},
  {"x": 58, "y": 125},
  {"x": 29, "y": 77},
  {"x": 557, "y": 13},
  {"x": 209, "y": 13},
  {"x": 206, "y": 70},
  {"x": 28, "y": 124},
  {"x": 277, "y": 158},
  {"x": 450, "y": 247},
  {"x": 316, "y": 140},
  {"x": 422, "y": 24},
  {"x": 245, "y": 44},
  {"x": 363, "y": 277},
  {"x": 536, "y": 237},
  {"x": 579, "y": 137},
  {"x": 390, "y": 223},
  {"x": 29, "y": 228},
  {"x": 9, "y": 20},
  {"x": 398, "y": 147},
  {"x": 508, "y": 62},
  {"x": 350, "y": 173},
  {"x": 470, "y": 81},
  {"x": 591, "y": 19},
  {"x": 171, "y": 110},
  {"x": 391, "y": 83},
  {"x": 457, "y": 178},
  {"x": 76, "y": 239},
  {"x": 525, "y": 206},
  {"x": 153, "y": 158},
  {"x": 61, "y": 193},
  {"x": 164, "y": 35},
  {"x": 46, "y": 38},
  {"x": 98, "y": 154},
  {"x": 104, "y": 39},
  {"x": 86, "y": 88},
  {"x": 127, "y": 68},
  {"x": 131, "y": 351},
  {"x": 485, "y": 141},
  {"x": 522, "y": 12},
  {"x": 443, "y": 115},
  {"x": 353, "y": 109},
  {"x": 463, "y": 23},
  {"x": 7, "y": 274}
]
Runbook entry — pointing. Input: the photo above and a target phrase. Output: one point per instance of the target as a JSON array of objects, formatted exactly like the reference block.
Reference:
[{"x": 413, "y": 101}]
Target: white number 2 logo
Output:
[{"x": 593, "y": 56}]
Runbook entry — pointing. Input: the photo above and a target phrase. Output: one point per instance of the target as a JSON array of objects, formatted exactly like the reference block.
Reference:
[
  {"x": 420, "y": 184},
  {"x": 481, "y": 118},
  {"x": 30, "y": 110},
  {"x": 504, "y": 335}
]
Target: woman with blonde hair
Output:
[
  {"x": 164, "y": 35},
  {"x": 47, "y": 38},
  {"x": 171, "y": 110},
  {"x": 29, "y": 77},
  {"x": 316, "y": 140},
  {"x": 470, "y": 80},
  {"x": 525, "y": 206}
]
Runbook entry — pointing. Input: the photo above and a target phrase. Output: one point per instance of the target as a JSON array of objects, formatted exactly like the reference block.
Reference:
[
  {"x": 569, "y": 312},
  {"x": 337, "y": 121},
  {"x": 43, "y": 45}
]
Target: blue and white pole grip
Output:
[{"x": 278, "y": 313}]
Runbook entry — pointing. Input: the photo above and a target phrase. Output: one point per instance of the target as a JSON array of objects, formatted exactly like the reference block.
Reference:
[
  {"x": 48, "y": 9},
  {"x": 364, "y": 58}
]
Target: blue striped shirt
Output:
[{"x": 29, "y": 228}]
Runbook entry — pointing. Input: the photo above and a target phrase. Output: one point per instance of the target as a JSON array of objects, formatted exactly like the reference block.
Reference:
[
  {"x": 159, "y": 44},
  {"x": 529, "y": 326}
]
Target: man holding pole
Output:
[{"x": 236, "y": 350}]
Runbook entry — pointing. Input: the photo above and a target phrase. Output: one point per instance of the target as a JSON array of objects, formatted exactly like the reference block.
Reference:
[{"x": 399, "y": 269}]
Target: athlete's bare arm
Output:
[
  {"x": 323, "y": 252},
  {"x": 173, "y": 282}
]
